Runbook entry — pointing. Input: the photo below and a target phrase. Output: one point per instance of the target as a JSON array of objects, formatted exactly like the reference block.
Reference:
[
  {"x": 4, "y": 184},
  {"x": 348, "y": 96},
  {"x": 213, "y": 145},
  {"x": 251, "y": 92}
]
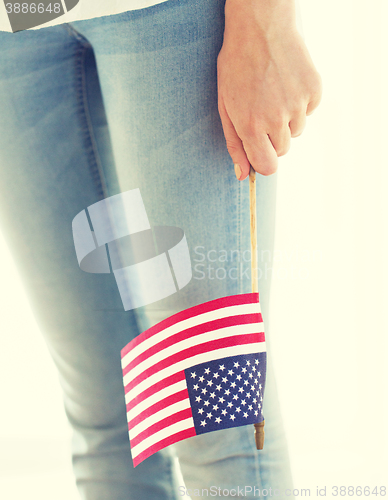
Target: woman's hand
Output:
[{"x": 267, "y": 83}]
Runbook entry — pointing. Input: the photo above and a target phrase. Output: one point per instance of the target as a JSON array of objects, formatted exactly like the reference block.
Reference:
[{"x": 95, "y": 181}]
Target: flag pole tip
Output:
[{"x": 259, "y": 435}]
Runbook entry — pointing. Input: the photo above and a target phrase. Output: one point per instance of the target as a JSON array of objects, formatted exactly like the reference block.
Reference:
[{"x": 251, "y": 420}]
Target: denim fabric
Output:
[{"x": 100, "y": 107}]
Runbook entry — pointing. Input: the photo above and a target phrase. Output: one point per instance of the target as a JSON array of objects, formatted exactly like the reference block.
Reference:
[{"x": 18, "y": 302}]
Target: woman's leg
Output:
[
  {"x": 55, "y": 161},
  {"x": 157, "y": 69}
]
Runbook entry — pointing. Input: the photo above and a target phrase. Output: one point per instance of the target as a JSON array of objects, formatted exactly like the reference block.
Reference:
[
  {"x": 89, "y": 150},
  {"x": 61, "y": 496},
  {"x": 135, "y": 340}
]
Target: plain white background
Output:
[
  {"x": 329, "y": 327},
  {"x": 328, "y": 306}
]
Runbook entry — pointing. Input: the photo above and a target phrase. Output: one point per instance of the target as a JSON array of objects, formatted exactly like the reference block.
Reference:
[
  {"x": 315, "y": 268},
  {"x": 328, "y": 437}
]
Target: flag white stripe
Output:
[
  {"x": 160, "y": 415},
  {"x": 182, "y": 425},
  {"x": 195, "y": 360},
  {"x": 221, "y": 333},
  {"x": 223, "y": 312},
  {"x": 155, "y": 398}
]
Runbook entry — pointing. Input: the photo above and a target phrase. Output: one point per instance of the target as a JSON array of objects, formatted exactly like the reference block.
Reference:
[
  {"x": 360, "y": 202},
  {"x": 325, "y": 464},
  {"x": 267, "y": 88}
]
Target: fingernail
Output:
[{"x": 237, "y": 170}]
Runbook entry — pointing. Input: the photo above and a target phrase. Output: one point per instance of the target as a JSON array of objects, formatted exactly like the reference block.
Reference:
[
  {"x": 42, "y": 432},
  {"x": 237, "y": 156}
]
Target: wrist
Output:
[{"x": 270, "y": 18}]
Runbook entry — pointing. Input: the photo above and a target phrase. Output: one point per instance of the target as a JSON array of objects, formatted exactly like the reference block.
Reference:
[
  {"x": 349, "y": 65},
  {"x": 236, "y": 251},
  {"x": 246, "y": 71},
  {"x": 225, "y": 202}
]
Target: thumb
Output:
[{"x": 234, "y": 144}]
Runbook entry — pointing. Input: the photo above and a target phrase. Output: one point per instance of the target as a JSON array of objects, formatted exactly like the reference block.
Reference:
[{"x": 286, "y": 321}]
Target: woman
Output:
[{"x": 97, "y": 107}]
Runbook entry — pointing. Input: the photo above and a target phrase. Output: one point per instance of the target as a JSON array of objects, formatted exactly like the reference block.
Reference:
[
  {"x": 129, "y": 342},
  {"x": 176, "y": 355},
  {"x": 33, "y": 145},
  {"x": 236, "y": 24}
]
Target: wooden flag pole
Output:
[{"x": 259, "y": 428}]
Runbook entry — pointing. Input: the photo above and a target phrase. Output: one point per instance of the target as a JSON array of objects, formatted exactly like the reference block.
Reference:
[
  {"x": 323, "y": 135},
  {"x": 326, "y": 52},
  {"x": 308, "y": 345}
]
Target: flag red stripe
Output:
[
  {"x": 233, "y": 300},
  {"x": 163, "y": 403},
  {"x": 171, "y": 419},
  {"x": 212, "y": 345},
  {"x": 161, "y": 384},
  {"x": 242, "y": 319},
  {"x": 174, "y": 438}
]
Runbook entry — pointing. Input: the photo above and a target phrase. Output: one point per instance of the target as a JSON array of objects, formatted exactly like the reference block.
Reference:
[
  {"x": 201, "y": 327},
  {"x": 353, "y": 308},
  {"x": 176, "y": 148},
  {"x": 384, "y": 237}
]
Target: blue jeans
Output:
[{"x": 100, "y": 107}]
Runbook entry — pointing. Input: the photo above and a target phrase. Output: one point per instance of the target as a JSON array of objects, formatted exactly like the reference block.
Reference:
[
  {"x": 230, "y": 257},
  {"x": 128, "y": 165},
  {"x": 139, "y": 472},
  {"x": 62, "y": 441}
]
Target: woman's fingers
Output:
[
  {"x": 256, "y": 147},
  {"x": 316, "y": 97},
  {"x": 261, "y": 153},
  {"x": 252, "y": 147},
  {"x": 297, "y": 124},
  {"x": 234, "y": 144},
  {"x": 280, "y": 137}
]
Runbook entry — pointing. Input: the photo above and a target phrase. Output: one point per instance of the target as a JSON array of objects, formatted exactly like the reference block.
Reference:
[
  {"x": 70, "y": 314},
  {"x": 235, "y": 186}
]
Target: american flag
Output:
[{"x": 197, "y": 371}]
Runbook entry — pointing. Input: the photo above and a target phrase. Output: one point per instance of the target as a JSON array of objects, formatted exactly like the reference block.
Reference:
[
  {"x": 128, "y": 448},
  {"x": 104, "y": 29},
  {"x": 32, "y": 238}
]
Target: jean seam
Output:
[
  {"x": 93, "y": 157},
  {"x": 256, "y": 453},
  {"x": 170, "y": 474}
]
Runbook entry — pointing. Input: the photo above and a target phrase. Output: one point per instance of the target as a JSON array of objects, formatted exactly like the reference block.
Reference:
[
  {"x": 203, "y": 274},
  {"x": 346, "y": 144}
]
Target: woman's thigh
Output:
[{"x": 55, "y": 161}]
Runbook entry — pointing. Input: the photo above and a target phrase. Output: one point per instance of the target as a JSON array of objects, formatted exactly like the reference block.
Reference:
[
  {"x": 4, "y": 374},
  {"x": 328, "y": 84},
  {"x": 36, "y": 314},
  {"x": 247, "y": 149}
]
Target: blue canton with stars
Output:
[{"x": 227, "y": 392}]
